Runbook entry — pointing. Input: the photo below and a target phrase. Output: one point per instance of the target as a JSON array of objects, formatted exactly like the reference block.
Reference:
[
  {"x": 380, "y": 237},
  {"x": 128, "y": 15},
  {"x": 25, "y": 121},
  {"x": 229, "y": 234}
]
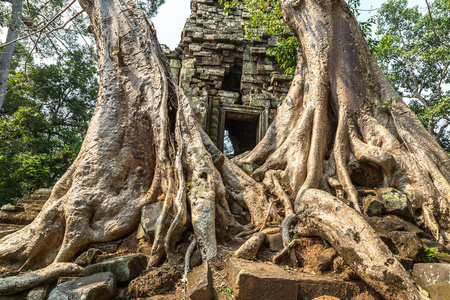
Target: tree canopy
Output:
[
  {"x": 51, "y": 91},
  {"x": 45, "y": 123},
  {"x": 412, "y": 48}
]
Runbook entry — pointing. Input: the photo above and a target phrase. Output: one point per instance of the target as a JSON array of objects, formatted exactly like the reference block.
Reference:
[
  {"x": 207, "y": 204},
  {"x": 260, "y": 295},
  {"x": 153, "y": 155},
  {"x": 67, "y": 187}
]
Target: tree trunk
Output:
[
  {"x": 144, "y": 144},
  {"x": 7, "y": 52}
]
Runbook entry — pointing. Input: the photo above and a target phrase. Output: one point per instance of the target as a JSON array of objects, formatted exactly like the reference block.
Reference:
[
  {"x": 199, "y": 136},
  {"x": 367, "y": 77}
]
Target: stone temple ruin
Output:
[{"x": 232, "y": 81}]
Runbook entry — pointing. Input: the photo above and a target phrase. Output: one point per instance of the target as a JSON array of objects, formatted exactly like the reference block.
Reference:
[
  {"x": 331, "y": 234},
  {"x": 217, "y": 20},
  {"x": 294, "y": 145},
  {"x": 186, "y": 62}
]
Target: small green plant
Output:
[
  {"x": 254, "y": 258},
  {"x": 229, "y": 291},
  {"x": 257, "y": 179},
  {"x": 430, "y": 254},
  {"x": 188, "y": 186},
  {"x": 294, "y": 237},
  {"x": 304, "y": 298},
  {"x": 229, "y": 254},
  {"x": 386, "y": 103}
]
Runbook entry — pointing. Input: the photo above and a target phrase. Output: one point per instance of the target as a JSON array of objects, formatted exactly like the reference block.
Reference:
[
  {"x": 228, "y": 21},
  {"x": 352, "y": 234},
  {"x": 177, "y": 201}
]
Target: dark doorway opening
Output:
[
  {"x": 232, "y": 80},
  {"x": 240, "y": 134},
  {"x": 240, "y": 128}
]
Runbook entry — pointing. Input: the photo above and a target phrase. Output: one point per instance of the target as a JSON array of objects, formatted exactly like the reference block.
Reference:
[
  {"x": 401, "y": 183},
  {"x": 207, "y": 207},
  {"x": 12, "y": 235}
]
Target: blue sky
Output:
[{"x": 172, "y": 15}]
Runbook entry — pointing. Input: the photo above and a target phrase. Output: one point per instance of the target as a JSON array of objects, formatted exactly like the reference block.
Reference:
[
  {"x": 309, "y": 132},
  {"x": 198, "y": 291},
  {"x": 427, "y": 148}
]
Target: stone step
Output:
[
  {"x": 38, "y": 197},
  {"x": 4, "y": 226},
  {"x": 43, "y": 192},
  {"x": 6, "y": 229},
  {"x": 19, "y": 218},
  {"x": 254, "y": 280},
  {"x": 30, "y": 201},
  {"x": 12, "y": 208}
]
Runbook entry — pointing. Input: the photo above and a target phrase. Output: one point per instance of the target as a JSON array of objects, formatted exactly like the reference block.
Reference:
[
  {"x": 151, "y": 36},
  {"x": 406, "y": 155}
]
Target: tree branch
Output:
[
  {"x": 442, "y": 77},
  {"x": 43, "y": 27},
  {"x": 414, "y": 90},
  {"x": 442, "y": 130},
  {"x": 433, "y": 27},
  {"x": 70, "y": 20}
]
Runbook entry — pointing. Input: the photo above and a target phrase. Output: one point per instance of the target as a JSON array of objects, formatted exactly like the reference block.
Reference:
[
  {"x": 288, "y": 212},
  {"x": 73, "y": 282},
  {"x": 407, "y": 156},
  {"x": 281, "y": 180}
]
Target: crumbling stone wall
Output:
[{"x": 221, "y": 70}]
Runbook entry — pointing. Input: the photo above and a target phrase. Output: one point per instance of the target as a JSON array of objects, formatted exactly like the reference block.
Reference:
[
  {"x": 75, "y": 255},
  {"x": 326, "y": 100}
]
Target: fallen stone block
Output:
[
  {"x": 408, "y": 244},
  {"x": 125, "y": 268},
  {"x": 396, "y": 203},
  {"x": 38, "y": 293},
  {"x": 14, "y": 284},
  {"x": 200, "y": 283},
  {"x": 149, "y": 216},
  {"x": 101, "y": 286},
  {"x": 433, "y": 278},
  {"x": 157, "y": 282},
  {"x": 251, "y": 280},
  {"x": 275, "y": 242}
]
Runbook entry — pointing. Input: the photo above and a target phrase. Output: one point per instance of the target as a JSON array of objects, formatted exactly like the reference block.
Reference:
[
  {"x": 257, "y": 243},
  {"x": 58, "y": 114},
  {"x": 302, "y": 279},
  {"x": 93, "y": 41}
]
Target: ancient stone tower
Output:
[{"x": 235, "y": 85}]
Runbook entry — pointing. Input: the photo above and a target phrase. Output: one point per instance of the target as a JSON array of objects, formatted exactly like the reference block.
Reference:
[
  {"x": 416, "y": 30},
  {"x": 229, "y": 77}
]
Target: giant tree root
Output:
[
  {"x": 356, "y": 242},
  {"x": 250, "y": 248},
  {"x": 143, "y": 145},
  {"x": 16, "y": 284}
]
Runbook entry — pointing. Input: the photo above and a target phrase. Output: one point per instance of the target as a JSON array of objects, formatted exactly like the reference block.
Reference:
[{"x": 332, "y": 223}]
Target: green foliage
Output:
[
  {"x": 150, "y": 6},
  {"x": 416, "y": 62},
  {"x": 286, "y": 53},
  {"x": 229, "y": 291},
  {"x": 44, "y": 121},
  {"x": 188, "y": 186},
  {"x": 266, "y": 18},
  {"x": 294, "y": 237},
  {"x": 386, "y": 103},
  {"x": 430, "y": 254}
]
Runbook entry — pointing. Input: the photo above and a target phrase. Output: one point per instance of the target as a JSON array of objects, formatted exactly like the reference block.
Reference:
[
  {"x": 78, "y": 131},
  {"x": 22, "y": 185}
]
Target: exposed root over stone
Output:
[
  {"x": 251, "y": 247},
  {"x": 16, "y": 284}
]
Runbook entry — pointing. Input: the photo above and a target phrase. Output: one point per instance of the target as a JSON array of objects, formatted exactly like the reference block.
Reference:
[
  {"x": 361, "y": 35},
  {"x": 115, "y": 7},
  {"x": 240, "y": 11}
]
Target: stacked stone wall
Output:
[{"x": 218, "y": 66}]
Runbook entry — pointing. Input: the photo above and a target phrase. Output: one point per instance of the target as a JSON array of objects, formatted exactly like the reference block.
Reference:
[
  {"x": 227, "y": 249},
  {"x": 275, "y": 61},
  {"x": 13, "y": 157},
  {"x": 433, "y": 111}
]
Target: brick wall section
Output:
[{"x": 215, "y": 64}]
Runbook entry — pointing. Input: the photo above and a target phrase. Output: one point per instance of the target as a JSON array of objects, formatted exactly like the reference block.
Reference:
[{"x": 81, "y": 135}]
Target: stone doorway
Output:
[{"x": 240, "y": 128}]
